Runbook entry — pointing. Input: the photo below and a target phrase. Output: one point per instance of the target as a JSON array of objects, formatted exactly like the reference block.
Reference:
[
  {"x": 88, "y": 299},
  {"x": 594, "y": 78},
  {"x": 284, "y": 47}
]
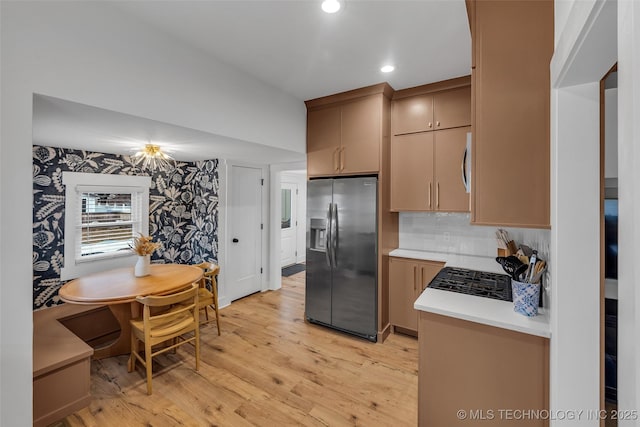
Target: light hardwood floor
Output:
[{"x": 268, "y": 368}]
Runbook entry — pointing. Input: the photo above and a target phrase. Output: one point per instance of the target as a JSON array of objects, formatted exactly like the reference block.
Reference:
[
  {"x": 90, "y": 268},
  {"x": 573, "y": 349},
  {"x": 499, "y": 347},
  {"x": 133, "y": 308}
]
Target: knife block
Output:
[{"x": 511, "y": 249}]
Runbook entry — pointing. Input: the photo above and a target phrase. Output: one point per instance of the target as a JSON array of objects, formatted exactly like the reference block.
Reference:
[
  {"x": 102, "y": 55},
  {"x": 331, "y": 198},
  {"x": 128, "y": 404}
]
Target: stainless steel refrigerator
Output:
[{"x": 341, "y": 270}]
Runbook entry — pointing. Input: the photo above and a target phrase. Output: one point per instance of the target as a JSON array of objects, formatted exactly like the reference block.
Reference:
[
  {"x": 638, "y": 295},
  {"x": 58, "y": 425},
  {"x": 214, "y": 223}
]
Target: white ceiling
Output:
[
  {"x": 291, "y": 45},
  {"x": 66, "y": 124},
  {"x": 295, "y": 46}
]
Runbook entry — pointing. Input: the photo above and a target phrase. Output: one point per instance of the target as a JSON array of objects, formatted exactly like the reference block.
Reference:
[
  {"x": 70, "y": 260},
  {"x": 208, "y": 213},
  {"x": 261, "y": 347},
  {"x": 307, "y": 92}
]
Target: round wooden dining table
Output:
[{"x": 119, "y": 288}]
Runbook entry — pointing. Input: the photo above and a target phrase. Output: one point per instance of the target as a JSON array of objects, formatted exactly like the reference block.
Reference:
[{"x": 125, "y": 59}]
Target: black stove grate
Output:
[{"x": 471, "y": 282}]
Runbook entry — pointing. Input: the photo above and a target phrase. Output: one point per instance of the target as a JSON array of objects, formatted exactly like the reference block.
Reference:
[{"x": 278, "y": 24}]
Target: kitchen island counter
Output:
[
  {"x": 480, "y": 310},
  {"x": 485, "y": 311}
]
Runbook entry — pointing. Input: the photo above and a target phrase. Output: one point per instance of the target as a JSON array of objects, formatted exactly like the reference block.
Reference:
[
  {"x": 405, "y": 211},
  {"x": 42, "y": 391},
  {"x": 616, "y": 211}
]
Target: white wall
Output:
[
  {"x": 585, "y": 51},
  {"x": 629, "y": 207},
  {"x": 575, "y": 251},
  {"x": 561, "y": 9},
  {"x": 88, "y": 52}
]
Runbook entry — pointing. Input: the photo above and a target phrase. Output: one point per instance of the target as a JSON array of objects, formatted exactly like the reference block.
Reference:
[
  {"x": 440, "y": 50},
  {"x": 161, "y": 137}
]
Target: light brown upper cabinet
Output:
[
  {"x": 412, "y": 172},
  {"x": 430, "y": 111},
  {"x": 323, "y": 141},
  {"x": 428, "y": 171},
  {"x": 345, "y": 132},
  {"x": 450, "y": 173},
  {"x": 360, "y": 137},
  {"x": 512, "y": 49}
]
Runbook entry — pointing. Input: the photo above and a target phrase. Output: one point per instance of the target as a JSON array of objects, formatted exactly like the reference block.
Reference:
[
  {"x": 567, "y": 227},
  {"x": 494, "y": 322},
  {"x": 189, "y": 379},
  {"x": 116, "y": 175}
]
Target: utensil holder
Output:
[{"x": 526, "y": 297}]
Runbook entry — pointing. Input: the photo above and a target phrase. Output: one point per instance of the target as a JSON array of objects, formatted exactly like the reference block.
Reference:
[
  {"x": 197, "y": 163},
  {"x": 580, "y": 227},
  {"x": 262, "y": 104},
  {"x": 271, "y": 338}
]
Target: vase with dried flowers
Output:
[{"x": 143, "y": 246}]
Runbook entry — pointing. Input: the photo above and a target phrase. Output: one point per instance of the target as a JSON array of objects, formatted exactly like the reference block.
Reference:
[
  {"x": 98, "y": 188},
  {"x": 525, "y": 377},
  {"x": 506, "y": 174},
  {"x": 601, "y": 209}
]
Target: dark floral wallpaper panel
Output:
[{"x": 183, "y": 211}]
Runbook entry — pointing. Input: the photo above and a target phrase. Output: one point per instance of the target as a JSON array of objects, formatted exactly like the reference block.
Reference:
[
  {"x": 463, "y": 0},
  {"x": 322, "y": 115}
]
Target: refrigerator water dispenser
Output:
[{"x": 318, "y": 229}]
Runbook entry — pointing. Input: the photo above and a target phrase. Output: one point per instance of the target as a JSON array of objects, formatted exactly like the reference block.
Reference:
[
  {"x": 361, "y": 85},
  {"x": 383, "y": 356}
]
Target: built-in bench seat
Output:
[{"x": 62, "y": 357}]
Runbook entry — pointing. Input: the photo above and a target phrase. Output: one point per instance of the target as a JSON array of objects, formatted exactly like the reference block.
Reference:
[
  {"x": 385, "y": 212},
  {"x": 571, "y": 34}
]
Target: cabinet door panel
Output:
[
  {"x": 450, "y": 145},
  {"x": 412, "y": 172},
  {"x": 413, "y": 114},
  {"x": 511, "y": 124},
  {"x": 403, "y": 278},
  {"x": 428, "y": 270},
  {"x": 476, "y": 364},
  {"x": 361, "y": 121},
  {"x": 323, "y": 141},
  {"x": 452, "y": 108}
]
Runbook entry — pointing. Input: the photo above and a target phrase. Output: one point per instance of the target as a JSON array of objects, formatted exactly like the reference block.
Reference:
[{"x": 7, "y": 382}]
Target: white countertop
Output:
[
  {"x": 486, "y": 311},
  {"x": 471, "y": 262}
]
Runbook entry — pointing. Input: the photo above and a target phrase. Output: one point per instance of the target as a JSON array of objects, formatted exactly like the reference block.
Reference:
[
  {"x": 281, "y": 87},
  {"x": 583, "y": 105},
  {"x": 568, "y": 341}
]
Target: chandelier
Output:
[{"x": 151, "y": 157}]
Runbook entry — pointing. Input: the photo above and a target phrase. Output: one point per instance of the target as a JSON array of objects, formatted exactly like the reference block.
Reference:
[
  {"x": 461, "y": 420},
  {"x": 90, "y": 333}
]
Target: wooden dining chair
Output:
[
  {"x": 159, "y": 325},
  {"x": 209, "y": 298}
]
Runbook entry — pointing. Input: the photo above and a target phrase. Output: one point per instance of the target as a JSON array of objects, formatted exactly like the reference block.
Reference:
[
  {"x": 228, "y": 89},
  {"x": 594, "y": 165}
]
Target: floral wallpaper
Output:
[{"x": 183, "y": 211}]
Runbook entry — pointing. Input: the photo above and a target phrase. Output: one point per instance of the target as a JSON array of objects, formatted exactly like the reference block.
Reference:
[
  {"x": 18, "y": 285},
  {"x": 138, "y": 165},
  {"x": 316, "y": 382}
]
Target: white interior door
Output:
[
  {"x": 288, "y": 223},
  {"x": 245, "y": 234}
]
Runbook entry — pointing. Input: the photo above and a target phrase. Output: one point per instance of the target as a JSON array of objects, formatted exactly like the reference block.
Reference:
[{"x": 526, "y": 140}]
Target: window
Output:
[
  {"x": 285, "y": 221},
  {"x": 102, "y": 214},
  {"x": 107, "y": 223}
]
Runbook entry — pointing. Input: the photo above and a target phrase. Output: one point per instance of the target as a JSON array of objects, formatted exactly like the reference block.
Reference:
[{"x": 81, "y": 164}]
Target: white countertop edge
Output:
[
  {"x": 415, "y": 254},
  {"x": 485, "y": 311},
  {"x": 473, "y": 262}
]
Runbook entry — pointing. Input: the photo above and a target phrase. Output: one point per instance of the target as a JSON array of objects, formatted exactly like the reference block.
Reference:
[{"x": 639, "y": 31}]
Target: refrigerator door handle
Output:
[
  {"x": 334, "y": 234},
  {"x": 327, "y": 237}
]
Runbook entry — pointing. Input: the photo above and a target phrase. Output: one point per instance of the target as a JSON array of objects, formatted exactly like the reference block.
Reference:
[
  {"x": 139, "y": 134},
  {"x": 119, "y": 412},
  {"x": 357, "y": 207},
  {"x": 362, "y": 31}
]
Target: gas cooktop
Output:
[{"x": 471, "y": 282}]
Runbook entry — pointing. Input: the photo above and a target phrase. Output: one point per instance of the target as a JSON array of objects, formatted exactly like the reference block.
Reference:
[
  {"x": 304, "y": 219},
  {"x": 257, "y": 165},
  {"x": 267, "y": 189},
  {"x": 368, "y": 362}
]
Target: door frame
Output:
[
  {"x": 586, "y": 47},
  {"x": 275, "y": 201},
  {"x": 225, "y": 166},
  {"x": 293, "y": 187}
]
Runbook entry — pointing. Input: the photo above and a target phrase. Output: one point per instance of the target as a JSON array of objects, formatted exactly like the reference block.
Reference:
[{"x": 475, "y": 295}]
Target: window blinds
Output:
[{"x": 108, "y": 219}]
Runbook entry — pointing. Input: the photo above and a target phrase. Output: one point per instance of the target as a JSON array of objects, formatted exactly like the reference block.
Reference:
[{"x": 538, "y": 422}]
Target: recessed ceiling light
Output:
[
  {"x": 387, "y": 68},
  {"x": 331, "y": 6}
]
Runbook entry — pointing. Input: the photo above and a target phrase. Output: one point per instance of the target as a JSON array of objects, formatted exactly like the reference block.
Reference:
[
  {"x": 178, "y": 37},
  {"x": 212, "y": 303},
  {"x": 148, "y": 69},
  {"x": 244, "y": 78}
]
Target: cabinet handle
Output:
[
  {"x": 422, "y": 284},
  {"x": 335, "y": 159},
  {"x": 341, "y": 159},
  {"x": 429, "y": 193},
  {"x": 437, "y": 124},
  {"x": 415, "y": 271},
  {"x": 438, "y": 194},
  {"x": 463, "y": 168},
  {"x": 430, "y": 125}
]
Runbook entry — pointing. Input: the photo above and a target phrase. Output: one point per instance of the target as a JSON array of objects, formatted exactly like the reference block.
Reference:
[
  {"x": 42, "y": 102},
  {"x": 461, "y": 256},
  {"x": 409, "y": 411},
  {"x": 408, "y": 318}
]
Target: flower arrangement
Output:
[{"x": 143, "y": 245}]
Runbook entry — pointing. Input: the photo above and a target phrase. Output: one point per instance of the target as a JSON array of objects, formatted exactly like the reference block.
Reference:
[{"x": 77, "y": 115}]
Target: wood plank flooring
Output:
[{"x": 268, "y": 368}]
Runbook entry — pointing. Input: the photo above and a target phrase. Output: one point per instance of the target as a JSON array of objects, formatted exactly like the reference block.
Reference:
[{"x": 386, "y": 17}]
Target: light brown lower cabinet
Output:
[
  {"x": 472, "y": 374},
  {"x": 407, "y": 280}
]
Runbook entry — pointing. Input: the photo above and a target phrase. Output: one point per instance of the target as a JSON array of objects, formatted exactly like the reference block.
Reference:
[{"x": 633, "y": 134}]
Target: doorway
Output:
[
  {"x": 288, "y": 223},
  {"x": 244, "y": 265},
  {"x": 609, "y": 243}
]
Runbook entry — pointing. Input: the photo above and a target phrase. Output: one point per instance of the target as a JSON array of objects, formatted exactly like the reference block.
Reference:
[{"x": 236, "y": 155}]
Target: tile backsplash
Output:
[{"x": 452, "y": 233}]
